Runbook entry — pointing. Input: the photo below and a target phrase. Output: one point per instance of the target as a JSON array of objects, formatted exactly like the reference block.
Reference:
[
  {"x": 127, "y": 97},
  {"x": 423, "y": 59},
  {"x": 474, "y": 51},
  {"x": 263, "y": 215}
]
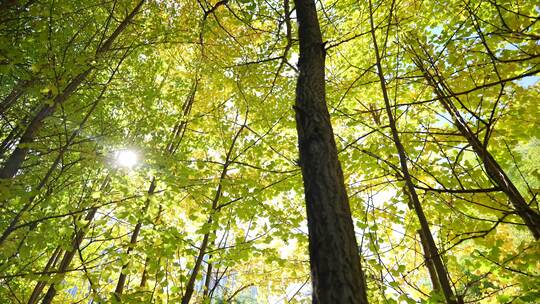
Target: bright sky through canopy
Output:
[
  {"x": 269, "y": 151},
  {"x": 126, "y": 158}
]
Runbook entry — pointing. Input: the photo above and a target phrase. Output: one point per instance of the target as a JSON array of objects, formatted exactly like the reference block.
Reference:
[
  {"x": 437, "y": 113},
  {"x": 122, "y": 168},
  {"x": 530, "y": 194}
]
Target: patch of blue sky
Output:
[{"x": 528, "y": 81}]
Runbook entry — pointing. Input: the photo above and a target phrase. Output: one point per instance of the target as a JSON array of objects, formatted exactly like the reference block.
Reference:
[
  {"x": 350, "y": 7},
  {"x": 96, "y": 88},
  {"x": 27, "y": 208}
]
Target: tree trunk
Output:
[
  {"x": 75, "y": 244},
  {"x": 530, "y": 217},
  {"x": 190, "y": 286},
  {"x": 411, "y": 191},
  {"x": 336, "y": 273},
  {"x": 207, "y": 279},
  {"x": 68, "y": 256},
  {"x": 41, "y": 284},
  {"x": 17, "y": 91},
  {"x": 134, "y": 237},
  {"x": 428, "y": 259},
  {"x": 173, "y": 144}
]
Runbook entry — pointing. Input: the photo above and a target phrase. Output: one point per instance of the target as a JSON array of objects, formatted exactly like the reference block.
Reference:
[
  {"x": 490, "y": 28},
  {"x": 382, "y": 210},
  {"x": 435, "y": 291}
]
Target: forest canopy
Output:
[{"x": 276, "y": 151}]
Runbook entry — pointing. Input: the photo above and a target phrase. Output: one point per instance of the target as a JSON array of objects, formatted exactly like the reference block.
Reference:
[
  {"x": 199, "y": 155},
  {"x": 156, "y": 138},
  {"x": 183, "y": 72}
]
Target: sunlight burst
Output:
[{"x": 126, "y": 158}]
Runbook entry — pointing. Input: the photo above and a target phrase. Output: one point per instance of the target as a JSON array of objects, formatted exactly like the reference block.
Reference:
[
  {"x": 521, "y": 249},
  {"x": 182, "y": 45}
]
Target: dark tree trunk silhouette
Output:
[
  {"x": 336, "y": 273},
  {"x": 530, "y": 217},
  {"x": 17, "y": 91},
  {"x": 68, "y": 256},
  {"x": 428, "y": 259}
]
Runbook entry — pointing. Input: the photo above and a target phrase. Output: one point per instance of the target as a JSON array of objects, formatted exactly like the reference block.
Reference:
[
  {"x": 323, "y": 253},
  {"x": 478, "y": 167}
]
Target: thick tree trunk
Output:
[
  {"x": 336, "y": 273},
  {"x": 14, "y": 162},
  {"x": 411, "y": 190}
]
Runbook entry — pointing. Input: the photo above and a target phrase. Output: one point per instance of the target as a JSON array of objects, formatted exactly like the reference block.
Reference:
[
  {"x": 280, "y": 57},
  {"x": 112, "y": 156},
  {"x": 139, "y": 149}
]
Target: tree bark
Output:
[
  {"x": 207, "y": 280},
  {"x": 68, "y": 256},
  {"x": 428, "y": 259},
  {"x": 17, "y": 91},
  {"x": 336, "y": 273}
]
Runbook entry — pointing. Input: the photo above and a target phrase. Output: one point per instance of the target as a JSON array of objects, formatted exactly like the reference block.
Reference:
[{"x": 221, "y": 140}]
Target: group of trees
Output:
[{"x": 287, "y": 151}]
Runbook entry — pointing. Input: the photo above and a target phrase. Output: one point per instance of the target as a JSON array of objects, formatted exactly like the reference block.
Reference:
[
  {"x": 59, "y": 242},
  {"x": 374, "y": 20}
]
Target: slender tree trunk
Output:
[
  {"x": 68, "y": 256},
  {"x": 144, "y": 276},
  {"x": 17, "y": 91},
  {"x": 336, "y": 273},
  {"x": 173, "y": 144},
  {"x": 411, "y": 191},
  {"x": 190, "y": 286},
  {"x": 133, "y": 241},
  {"x": 9, "y": 140},
  {"x": 428, "y": 259},
  {"x": 14, "y": 221},
  {"x": 75, "y": 245},
  {"x": 41, "y": 284},
  {"x": 530, "y": 217},
  {"x": 15, "y": 160},
  {"x": 207, "y": 279}
]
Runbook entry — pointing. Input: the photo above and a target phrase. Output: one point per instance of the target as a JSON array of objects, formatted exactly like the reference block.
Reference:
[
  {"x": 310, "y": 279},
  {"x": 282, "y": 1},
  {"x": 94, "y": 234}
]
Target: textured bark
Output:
[
  {"x": 14, "y": 162},
  {"x": 431, "y": 246},
  {"x": 336, "y": 273},
  {"x": 530, "y": 217}
]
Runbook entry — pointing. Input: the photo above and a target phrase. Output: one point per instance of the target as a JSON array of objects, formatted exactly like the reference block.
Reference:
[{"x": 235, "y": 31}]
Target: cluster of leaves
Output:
[{"x": 202, "y": 92}]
